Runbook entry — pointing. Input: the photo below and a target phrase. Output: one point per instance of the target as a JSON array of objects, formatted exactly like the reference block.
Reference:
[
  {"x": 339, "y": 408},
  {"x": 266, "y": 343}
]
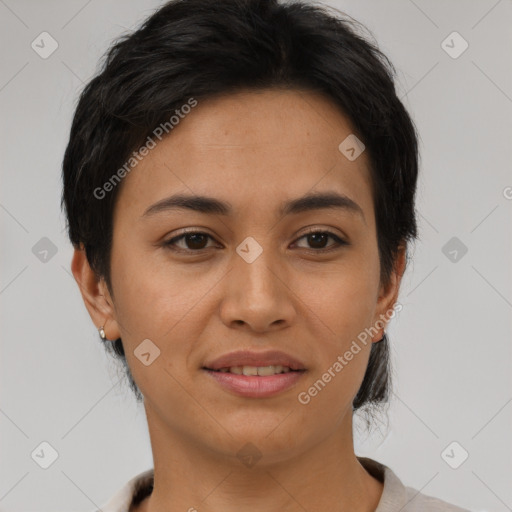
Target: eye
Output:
[
  {"x": 318, "y": 238},
  {"x": 194, "y": 241}
]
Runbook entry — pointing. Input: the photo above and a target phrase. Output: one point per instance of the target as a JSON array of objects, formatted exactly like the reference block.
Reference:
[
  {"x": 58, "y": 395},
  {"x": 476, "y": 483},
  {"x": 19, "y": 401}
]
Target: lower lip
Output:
[{"x": 253, "y": 386}]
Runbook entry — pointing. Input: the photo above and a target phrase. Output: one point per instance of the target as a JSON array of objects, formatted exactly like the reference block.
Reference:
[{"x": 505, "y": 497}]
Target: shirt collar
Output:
[{"x": 393, "y": 495}]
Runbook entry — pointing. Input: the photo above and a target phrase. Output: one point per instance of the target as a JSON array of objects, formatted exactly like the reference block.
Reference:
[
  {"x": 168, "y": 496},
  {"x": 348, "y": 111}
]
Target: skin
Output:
[{"x": 254, "y": 150}]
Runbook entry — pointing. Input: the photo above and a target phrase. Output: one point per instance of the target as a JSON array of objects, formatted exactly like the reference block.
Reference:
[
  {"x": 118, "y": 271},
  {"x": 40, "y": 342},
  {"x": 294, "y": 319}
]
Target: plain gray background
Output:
[{"x": 450, "y": 343}]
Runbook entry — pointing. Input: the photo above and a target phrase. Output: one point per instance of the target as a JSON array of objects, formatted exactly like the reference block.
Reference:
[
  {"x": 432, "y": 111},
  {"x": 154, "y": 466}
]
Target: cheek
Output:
[
  {"x": 344, "y": 299},
  {"x": 342, "y": 344},
  {"x": 164, "y": 302},
  {"x": 140, "y": 310},
  {"x": 345, "y": 308},
  {"x": 152, "y": 293}
]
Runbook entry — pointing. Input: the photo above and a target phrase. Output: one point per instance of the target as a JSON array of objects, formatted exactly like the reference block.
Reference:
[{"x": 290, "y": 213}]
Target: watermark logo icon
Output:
[
  {"x": 146, "y": 352},
  {"x": 249, "y": 455},
  {"x": 44, "y": 45},
  {"x": 44, "y": 250},
  {"x": 44, "y": 455},
  {"x": 249, "y": 249},
  {"x": 351, "y": 147},
  {"x": 454, "y": 45},
  {"x": 454, "y": 249},
  {"x": 454, "y": 455}
]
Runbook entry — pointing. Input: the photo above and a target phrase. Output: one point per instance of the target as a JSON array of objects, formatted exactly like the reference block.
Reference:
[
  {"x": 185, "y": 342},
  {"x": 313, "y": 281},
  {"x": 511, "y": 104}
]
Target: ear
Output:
[
  {"x": 95, "y": 295},
  {"x": 388, "y": 293}
]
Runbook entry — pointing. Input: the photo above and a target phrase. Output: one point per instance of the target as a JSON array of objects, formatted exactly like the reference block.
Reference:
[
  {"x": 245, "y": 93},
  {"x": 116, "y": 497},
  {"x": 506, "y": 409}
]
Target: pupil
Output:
[
  {"x": 319, "y": 235},
  {"x": 195, "y": 237}
]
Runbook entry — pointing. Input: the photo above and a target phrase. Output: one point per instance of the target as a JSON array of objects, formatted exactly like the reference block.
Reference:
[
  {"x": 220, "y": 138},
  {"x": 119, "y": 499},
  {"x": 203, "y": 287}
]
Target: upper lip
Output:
[{"x": 250, "y": 358}]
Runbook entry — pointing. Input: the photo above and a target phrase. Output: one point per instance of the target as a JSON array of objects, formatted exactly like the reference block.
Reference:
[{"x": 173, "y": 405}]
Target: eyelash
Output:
[{"x": 339, "y": 241}]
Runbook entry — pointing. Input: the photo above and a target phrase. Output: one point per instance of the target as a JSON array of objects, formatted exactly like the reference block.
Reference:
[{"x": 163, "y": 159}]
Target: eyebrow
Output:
[{"x": 210, "y": 205}]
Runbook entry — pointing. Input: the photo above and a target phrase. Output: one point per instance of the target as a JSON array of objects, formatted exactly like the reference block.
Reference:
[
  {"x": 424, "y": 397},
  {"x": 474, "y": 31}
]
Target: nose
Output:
[{"x": 256, "y": 296}]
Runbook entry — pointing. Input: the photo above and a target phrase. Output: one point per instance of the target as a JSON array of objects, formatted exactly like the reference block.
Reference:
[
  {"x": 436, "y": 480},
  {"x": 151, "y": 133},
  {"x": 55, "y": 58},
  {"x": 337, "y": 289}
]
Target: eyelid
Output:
[
  {"x": 316, "y": 229},
  {"x": 340, "y": 240},
  {"x": 181, "y": 234}
]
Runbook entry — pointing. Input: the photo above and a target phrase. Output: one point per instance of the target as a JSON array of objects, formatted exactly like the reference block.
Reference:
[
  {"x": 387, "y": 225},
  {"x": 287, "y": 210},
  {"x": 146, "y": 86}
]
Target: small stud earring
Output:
[{"x": 102, "y": 333}]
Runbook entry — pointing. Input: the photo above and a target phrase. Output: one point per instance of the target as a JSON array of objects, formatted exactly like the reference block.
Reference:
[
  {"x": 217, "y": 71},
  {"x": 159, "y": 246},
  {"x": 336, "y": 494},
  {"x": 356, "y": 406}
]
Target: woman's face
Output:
[{"x": 253, "y": 279}]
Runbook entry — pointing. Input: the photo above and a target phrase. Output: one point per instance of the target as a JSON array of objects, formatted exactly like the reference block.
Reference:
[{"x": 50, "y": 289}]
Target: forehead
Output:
[{"x": 251, "y": 148}]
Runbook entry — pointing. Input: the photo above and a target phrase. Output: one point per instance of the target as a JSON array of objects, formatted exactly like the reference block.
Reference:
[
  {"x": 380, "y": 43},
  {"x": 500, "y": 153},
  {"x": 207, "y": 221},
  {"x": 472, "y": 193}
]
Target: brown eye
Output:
[
  {"x": 318, "y": 239},
  {"x": 196, "y": 240},
  {"x": 193, "y": 241}
]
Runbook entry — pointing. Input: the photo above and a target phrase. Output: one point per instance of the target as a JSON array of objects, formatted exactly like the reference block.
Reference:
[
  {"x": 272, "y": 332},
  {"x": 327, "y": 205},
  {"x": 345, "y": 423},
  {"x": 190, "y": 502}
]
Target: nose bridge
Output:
[
  {"x": 255, "y": 267},
  {"x": 256, "y": 294}
]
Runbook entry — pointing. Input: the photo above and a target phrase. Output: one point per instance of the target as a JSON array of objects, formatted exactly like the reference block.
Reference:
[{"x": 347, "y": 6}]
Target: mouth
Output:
[
  {"x": 255, "y": 374},
  {"x": 260, "y": 371},
  {"x": 255, "y": 381}
]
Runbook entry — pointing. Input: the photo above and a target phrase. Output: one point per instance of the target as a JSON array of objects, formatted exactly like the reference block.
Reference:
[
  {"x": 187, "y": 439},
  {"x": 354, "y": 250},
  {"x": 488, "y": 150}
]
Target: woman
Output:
[{"x": 239, "y": 185}]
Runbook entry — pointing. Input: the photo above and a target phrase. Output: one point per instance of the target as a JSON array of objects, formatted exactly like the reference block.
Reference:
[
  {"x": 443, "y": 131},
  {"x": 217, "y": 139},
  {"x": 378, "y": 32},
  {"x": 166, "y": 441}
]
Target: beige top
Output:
[{"x": 395, "y": 496}]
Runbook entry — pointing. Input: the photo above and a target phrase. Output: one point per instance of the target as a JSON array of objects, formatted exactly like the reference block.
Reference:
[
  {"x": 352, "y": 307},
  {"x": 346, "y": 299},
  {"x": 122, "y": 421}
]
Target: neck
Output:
[{"x": 325, "y": 476}]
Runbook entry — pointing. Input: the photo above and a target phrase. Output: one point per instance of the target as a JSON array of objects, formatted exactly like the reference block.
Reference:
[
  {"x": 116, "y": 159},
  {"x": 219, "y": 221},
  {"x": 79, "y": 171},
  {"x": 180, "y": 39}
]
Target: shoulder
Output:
[
  {"x": 417, "y": 501},
  {"x": 396, "y": 496}
]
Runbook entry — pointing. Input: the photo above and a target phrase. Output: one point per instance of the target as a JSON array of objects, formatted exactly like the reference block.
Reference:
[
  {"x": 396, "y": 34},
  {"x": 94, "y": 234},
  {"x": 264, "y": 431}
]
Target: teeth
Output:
[
  {"x": 269, "y": 370},
  {"x": 250, "y": 370},
  {"x": 262, "y": 371}
]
